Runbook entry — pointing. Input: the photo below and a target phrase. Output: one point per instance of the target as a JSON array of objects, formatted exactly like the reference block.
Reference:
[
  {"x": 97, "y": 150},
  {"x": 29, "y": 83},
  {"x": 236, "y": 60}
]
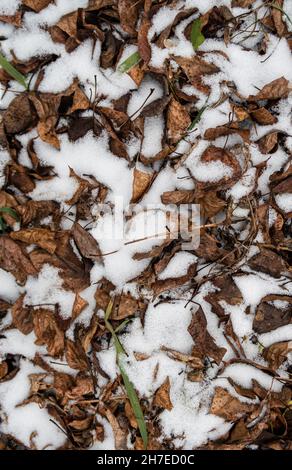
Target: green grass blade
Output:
[
  {"x": 197, "y": 38},
  {"x": 132, "y": 60},
  {"x": 3, "y": 225},
  {"x": 132, "y": 395},
  {"x": 10, "y": 211},
  {"x": 197, "y": 118},
  {"x": 134, "y": 401},
  {"x": 12, "y": 71}
]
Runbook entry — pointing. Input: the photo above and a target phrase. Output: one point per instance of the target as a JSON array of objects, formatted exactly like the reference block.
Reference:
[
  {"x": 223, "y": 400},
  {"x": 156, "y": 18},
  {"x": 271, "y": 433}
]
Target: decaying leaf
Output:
[
  {"x": 162, "y": 396},
  {"x": 48, "y": 332}
]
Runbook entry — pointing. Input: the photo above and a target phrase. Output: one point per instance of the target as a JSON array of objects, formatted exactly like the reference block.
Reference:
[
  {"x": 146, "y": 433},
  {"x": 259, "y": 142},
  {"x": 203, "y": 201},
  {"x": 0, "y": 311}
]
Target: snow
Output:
[
  {"x": 8, "y": 7},
  {"x": 46, "y": 289},
  {"x": 284, "y": 201},
  {"x": 178, "y": 265},
  {"x": 36, "y": 420},
  {"x": 243, "y": 374},
  {"x": 189, "y": 424}
]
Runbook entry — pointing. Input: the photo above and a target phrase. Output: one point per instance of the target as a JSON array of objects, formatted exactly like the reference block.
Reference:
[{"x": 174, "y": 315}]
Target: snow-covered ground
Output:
[{"x": 159, "y": 343}]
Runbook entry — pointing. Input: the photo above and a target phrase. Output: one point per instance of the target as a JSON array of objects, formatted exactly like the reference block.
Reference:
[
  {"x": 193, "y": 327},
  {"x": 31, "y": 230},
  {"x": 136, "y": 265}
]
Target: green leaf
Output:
[
  {"x": 134, "y": 401},
  {"x": 197, "y": 38},
  {"x": 10, "y": 211},
  {"x": 132, "y": 60},
  {"x": 132, "y": 395},
  {"x": 12, "y": 71}
]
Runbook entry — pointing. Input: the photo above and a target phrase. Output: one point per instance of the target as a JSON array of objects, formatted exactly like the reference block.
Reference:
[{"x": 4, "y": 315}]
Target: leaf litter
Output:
[{"x": 139, "y": 342}]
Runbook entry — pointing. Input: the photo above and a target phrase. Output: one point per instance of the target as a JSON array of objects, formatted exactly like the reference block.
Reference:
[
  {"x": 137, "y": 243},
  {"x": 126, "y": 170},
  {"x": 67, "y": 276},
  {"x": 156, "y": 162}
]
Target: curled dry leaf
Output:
[
  {"x": 228, "y": 407},
  {"x": 178, "y": 121},
  {"x": 19, "y": 116},
  {"x": 277, "y": 353},
  {"x": 48, "y": 332},
  {"x": 268, "y": 262},
  {"x": 40, "y": 236},
  {"x": 141, "y": 182},
  {"x": 204, "y": 343},
  {"x": 22, "y": 316},
  {"x": 143, "y": 44},
  {"x": 87, "y": 245},
  {"x": 75, "y": 355},
  {"x": 195, "y": 68},
  {"x": 14, "y": 259},
  {"x": 162, "y": 396},
  {"x": 268, "y": 143},
  {"x": 36, "y": 5},
  {"x": 274, "y": 90},
  {"x": 269, "y": 316},
  {"x": 128, "y": 11}
]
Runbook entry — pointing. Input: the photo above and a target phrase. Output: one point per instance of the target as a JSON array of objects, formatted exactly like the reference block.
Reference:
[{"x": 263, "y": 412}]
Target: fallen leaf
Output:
[
  {"x": 228, "y": 407},
  {"x": 141, "y": 182},
  {"x": 47, "y": 332},
  {"x": 14, "y": 259},
  {"x": 274, "y": 90},
  {"x": 22, "y": 316},
  {"x": 162, "y": 396},
  {"x": 178, "y": 121},
  {"x": 204, "y": 343},
  {"x": 20, "y": 116}
]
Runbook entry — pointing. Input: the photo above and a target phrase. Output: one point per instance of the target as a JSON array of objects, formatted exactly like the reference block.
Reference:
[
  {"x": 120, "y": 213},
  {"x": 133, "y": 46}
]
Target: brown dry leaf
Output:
[
  {"x": 128, "y": 11},
  {"x": 137, "y": 74},
  {"x": 179, "y": 196},
  {"x": 162, "y": 396},
  {"x": 130, "y": 415},
  {"x": 79, "y": 305},
  {"x": 162, "y": 285},
  {"x": 39, "y": 236},
  {"x": 277, "y": 353},
  {"x": 14, "y": 259},
  {"x": 274, "y": 90},
  {"x": 36, "y": 5},
  {"x": 213, "y": 154},
  {"x": 119, "y": 434},
  {"x": 75, "y": 355},
  {"x": 242, "y": 3},
  {"x": 20, "y": 116},
  {"x": 268, "y": 143},
  {"x": 277, "y": 16},
  {"x": 268, "y": 316},
  {"x": 86, "y": 243},
  {"x": 47, "y": 332},
  {"x": 102, "y": 294},
  {"x": 19, "y": 177},
  {"x": 227, "y": 291},
  {"x": 3, "y": 369},
  {"x": 210, "y": 250},
  {"x": 83, "y": 386},
  {"x": 15, "y": 20},
  {"x": 143, "y": 44},
  {"x": 263, "y": 116},
  {"x": 141, "y": 182},
  {"x": 228, "y": 407},
  {"x": 195, "y": 68},
  {"x": 126, "y": 306},
  {"x": 268, "y": 262},
  {"x": 210, "y": 203},
  {"x": 22, "y": 317},
  {"x": 227, "y": 129},
  {"x": 204, "y": 343},
  {"x": 156, "y": 107},
  {"x": 178, "y": 121},
  {"x": 36, "y": 210}
]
